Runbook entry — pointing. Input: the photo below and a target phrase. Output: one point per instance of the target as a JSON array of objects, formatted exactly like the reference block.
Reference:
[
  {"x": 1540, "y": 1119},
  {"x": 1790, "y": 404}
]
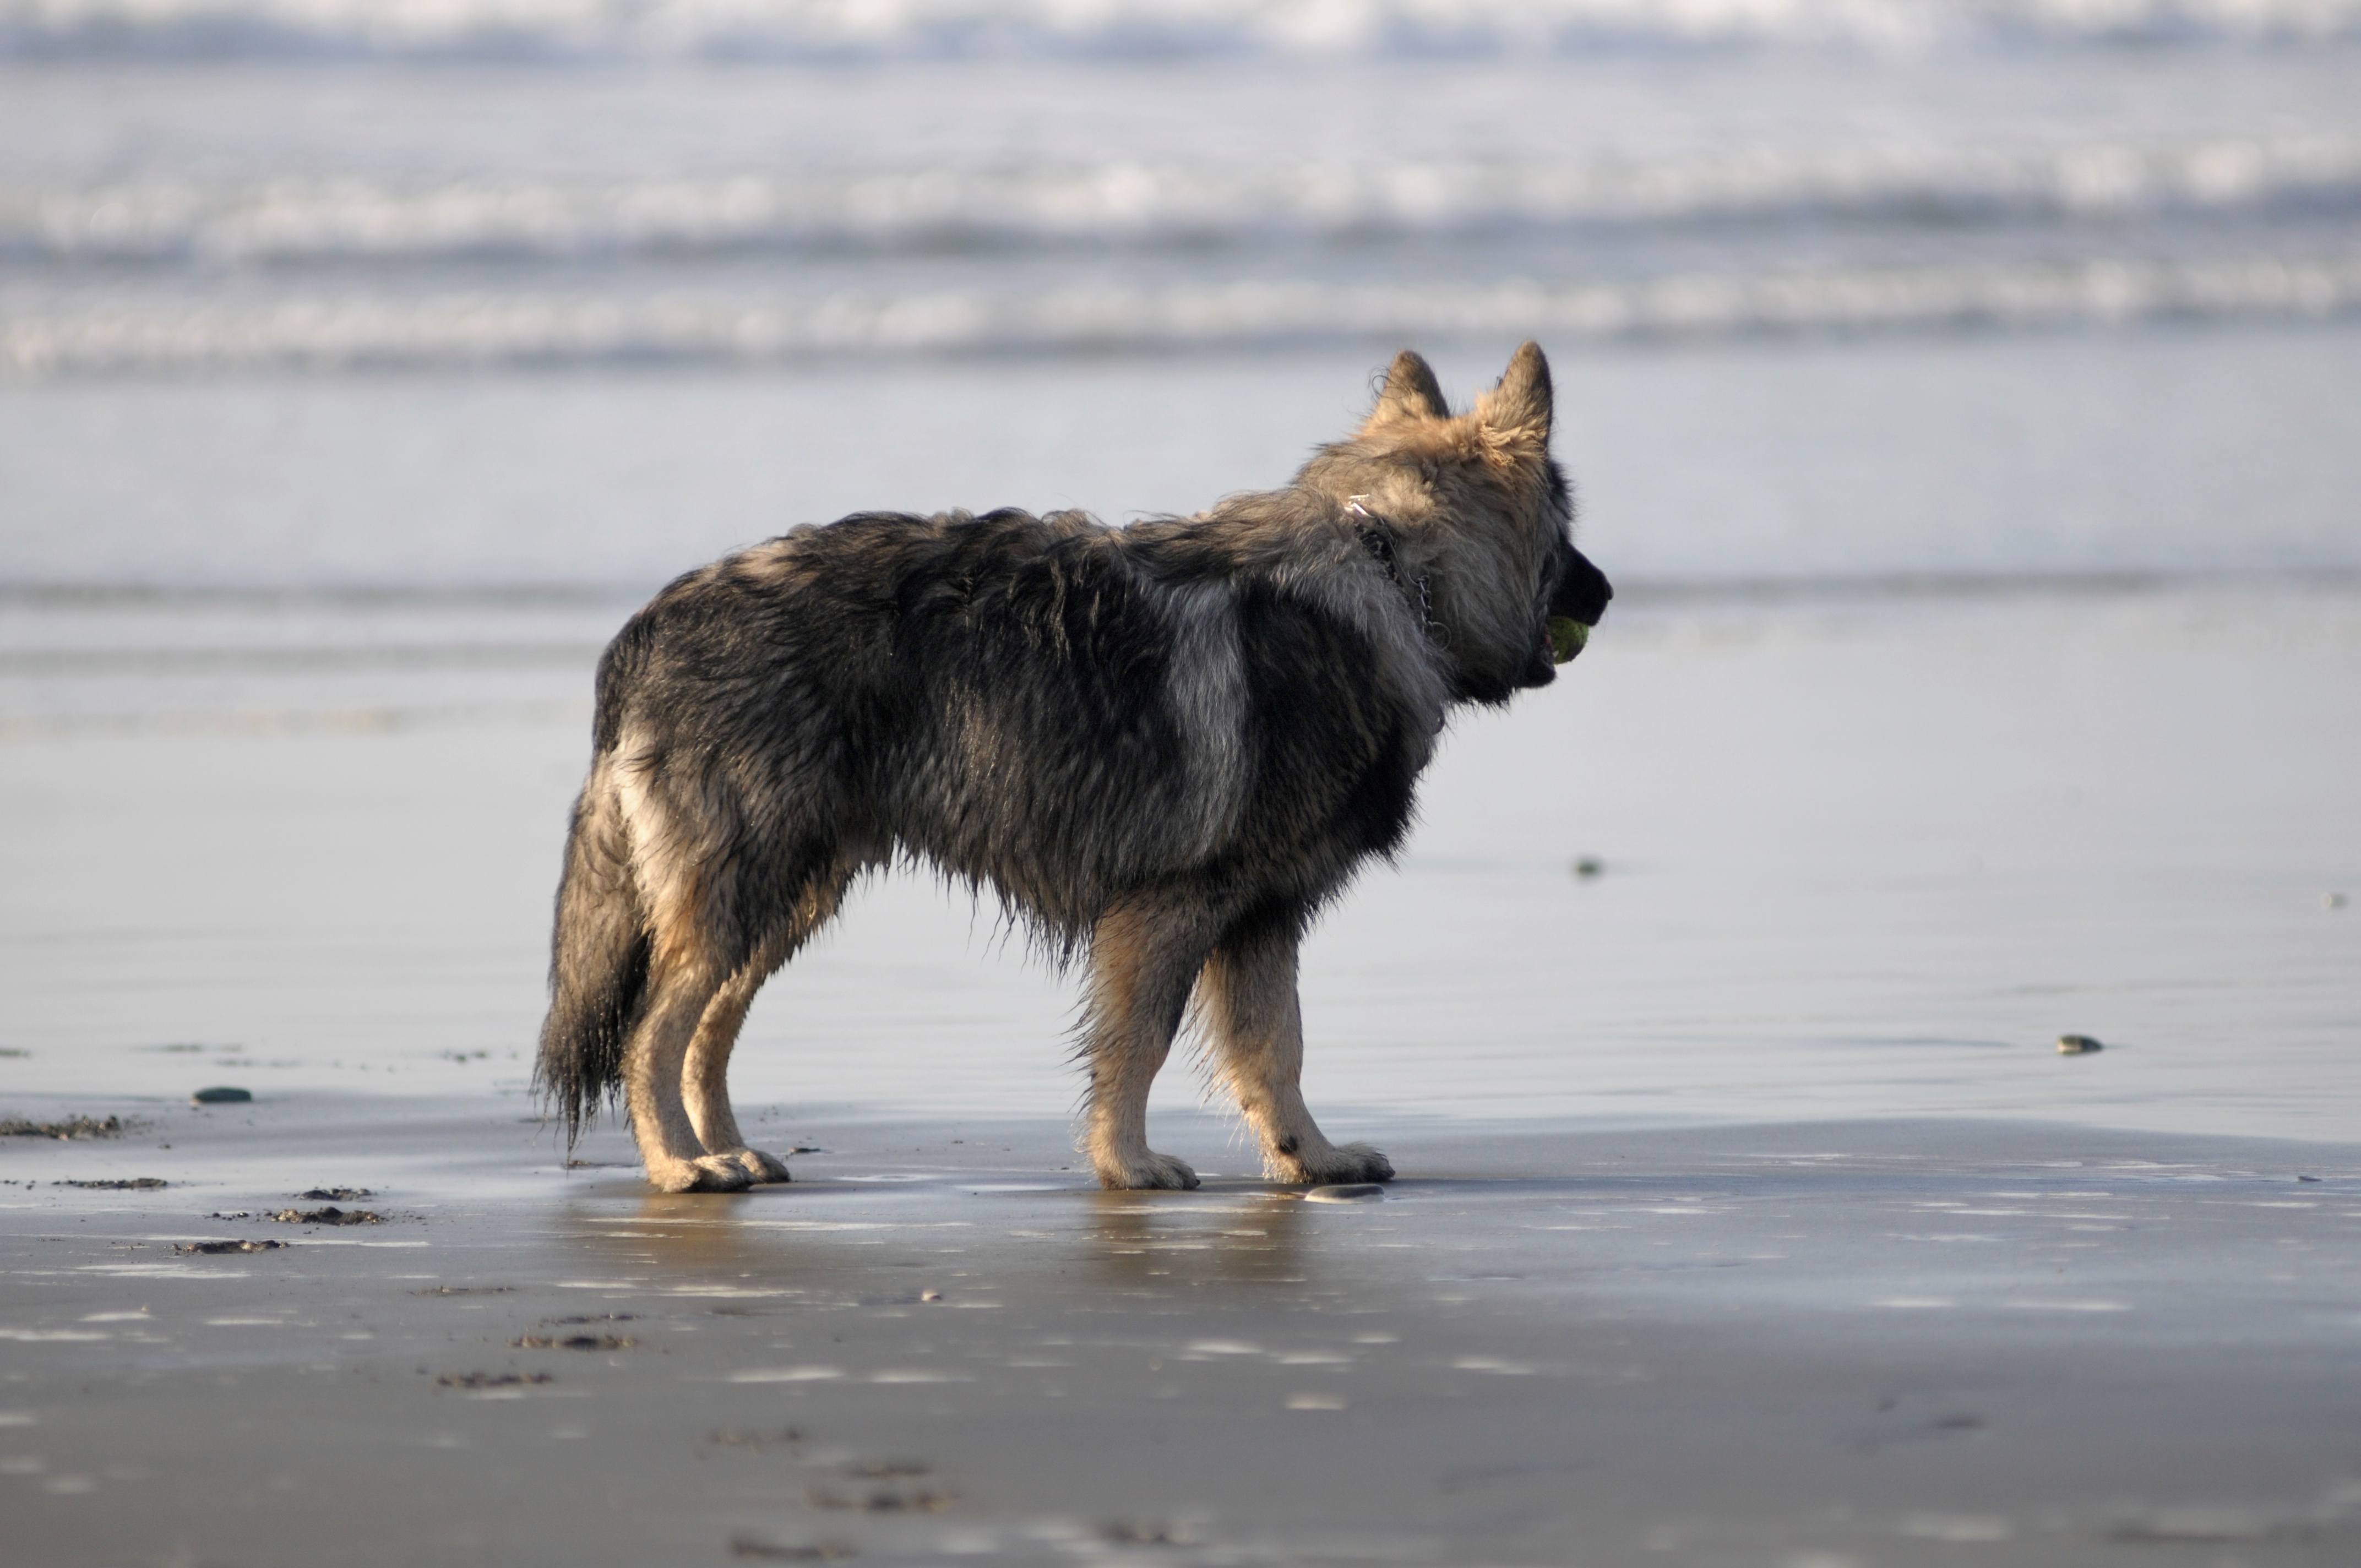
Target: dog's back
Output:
[{"x": 1047, "y": 705}]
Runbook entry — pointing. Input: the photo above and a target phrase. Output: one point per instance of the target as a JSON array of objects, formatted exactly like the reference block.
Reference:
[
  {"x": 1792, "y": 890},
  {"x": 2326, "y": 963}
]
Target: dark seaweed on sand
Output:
[
  {"x": 328, "y": 1216},
  {"x": 72, "y": 1127},
  {"x": 882, "y": 1499},
  {"x": 490, "y": 1379},
  {"x": 739, "y": 1437},
  {"x": 771, "y": 1551},
  {"x": 123, "y": 1184},
  {"x": 573, "y": 1342}
]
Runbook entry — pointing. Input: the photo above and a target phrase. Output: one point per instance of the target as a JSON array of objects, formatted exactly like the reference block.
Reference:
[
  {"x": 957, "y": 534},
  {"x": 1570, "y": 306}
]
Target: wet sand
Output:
[{"x": 1850, "y": 1342}]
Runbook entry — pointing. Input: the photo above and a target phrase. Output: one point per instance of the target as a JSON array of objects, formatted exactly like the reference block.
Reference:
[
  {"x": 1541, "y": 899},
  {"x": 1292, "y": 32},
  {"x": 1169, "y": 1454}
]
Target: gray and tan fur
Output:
[{"x": 1162, "y": 747}]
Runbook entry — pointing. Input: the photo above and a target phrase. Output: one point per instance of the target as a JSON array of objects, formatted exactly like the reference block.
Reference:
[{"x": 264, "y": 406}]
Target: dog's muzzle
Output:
[
  {"x": 1580, "y": 599},
  {"x": 1574, "y": 606}
]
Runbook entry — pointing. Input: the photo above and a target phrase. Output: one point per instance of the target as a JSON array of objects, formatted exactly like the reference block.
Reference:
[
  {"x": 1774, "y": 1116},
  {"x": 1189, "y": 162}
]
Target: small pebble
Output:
[
  {"x": 1345, "y": 1193},
  {"x": 2333, "y": 901},
  {"x": 221, "y": 1095},
  {"x": 1588, "y": 866},
  {"x": 2307, "y": 1179},
  {"x": 2077, "y": 1046},
  {"x": 930, "y": 1295}
]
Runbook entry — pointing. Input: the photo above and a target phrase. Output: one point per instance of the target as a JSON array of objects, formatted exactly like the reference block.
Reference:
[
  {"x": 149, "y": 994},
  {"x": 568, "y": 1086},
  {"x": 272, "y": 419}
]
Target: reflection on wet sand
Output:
[
  {"x": 1145, "y": 1240},
  {"x": 742, "y": 1244},
  {"x": 749, "y": 1243}
]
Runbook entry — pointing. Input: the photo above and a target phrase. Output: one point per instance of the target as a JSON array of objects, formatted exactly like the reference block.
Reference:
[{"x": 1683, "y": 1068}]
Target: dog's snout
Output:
[{"x": 1582, "y": 590}]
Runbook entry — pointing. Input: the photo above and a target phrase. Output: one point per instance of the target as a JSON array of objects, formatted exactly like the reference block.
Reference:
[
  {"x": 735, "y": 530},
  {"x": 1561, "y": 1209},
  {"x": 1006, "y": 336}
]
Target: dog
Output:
[{"x": 1163, "y": 747}]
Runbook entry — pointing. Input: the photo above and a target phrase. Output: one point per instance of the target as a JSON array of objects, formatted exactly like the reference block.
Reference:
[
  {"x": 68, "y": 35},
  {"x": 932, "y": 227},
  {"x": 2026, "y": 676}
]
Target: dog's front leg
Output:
[
  {"x": 1144, "y": 959},
  {"x": 1256, "y": 1024}
]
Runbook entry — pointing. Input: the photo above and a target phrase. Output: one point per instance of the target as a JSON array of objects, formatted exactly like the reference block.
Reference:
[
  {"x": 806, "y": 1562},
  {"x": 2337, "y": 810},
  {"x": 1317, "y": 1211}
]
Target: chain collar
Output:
[{"x": 1376, "y": 537}]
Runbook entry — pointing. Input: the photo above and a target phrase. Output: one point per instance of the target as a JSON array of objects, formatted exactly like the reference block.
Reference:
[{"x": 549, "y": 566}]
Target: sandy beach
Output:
[{"x": 1863, "y": 1343}]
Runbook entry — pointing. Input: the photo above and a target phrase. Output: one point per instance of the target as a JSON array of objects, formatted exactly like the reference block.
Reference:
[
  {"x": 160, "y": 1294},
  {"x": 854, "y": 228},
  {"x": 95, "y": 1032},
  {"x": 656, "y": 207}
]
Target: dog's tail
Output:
[{"x": 597, "y": 961}]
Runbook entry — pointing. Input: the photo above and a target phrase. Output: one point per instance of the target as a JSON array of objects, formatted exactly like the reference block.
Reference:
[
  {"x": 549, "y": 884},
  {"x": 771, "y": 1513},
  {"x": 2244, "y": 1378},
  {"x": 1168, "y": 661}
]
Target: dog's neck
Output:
[{"x": 1376, "y": 537}]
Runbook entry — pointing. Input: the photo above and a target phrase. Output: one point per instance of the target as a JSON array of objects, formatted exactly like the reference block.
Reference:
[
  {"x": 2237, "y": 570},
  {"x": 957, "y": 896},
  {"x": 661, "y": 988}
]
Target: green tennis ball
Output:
[{"x": 1567, "y": 638}]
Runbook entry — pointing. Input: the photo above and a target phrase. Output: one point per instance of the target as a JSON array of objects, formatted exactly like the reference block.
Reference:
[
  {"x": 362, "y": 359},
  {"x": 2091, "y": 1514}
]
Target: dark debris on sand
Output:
[
  {"x": 886, "y": 1469},
  {"x": 771, "y": 1551},
  {"x": 124, "y": 1184},
  {"x": 328, "y": 1216},
  {"x": 739, "y": 1437},
  {"x": 573, "y": 1342},
  {"x": 72, "y": 1127},
  {"x": 466, "y": 1290},
  {"x": 883, "y": 1499},
  {"x": 490, "y": 1379},
  {"x": 1142, "y": 1532},
  {"x": 229, "y": 1247},
  {"x": 335, "y": 1194}
]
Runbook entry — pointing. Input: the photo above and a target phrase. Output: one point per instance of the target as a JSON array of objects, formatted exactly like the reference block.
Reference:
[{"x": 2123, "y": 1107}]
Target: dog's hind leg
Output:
[
  {"x": 675, "y": 1158},
  {"x": 1145, "y": 955},
  {"x": 704, "y": 1074},
  {"x": 705, "y": 1082},
  {"x": 1256, "y": 1023}
]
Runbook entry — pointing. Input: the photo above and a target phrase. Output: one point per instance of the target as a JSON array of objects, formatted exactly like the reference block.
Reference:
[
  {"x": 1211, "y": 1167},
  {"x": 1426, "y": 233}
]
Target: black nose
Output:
[{"x": 1582, "y": 590}]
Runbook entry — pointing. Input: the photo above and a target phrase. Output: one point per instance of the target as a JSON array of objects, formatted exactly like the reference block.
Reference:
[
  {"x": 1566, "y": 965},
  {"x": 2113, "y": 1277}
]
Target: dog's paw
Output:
[
  {"x": 709, "y": 1173},
  {"x": 1330, "y": 1166},
  {"x": 758, "y": 1165},
  {"x": 1146, "y": 1170}
]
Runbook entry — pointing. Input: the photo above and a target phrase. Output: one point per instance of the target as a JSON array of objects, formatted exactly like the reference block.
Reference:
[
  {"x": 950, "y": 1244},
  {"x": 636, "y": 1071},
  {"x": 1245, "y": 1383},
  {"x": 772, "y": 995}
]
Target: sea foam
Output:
[{"x": 560, "y": 29}]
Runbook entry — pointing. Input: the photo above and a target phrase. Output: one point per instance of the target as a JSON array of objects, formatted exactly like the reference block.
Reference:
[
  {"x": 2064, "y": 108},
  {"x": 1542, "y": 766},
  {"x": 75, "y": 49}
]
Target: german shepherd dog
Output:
[{"x": 1163, "y": 747}]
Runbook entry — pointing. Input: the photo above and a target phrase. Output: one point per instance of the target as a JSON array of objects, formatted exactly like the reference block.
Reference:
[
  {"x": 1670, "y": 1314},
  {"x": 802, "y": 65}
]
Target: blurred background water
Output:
[
  {"x": 362, "y": 364},
  {"x": 446, "y": 293}
]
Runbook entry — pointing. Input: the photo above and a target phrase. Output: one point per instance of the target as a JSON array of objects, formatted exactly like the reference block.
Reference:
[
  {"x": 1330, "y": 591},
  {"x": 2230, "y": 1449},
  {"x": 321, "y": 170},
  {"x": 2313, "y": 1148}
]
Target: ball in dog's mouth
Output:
[{"x": 1567, "y": 638}]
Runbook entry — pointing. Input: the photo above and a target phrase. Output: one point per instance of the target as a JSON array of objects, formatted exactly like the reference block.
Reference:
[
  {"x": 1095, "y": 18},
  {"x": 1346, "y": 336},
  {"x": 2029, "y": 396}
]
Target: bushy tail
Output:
[{"x": 598, "y": 963}]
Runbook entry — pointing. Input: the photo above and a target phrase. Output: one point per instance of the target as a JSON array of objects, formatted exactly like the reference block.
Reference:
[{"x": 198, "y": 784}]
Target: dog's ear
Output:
[
  {"x": 1516, "y": 413},
  {"x": 1410, "y": 392}
]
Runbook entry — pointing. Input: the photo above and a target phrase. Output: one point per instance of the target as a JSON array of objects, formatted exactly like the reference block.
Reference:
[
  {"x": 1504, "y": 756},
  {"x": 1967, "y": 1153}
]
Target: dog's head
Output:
[{"x": 1478, "y": 514}]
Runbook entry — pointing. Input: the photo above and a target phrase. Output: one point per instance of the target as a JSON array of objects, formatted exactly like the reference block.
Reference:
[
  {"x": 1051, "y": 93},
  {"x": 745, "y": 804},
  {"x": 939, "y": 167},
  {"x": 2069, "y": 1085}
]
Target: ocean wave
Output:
[
  {"x": 288, "y": 222},
  {"x": 559, "y": 329},
  {"x": 788, "y": 29}
]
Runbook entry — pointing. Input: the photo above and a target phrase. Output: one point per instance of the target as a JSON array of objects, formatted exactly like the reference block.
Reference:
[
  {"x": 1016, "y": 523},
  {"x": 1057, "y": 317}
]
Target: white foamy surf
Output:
[
  {"x": 204, "y": 185},
  {"x": 556, "y": 329},
  {"x": 1132, "y": 202},
  {"x": 507, "y": 29}
]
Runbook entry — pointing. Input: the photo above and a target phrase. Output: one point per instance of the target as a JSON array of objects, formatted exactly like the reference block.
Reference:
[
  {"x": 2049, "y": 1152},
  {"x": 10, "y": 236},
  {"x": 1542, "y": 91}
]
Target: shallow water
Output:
[
  {"x": 1960, "y": 394},
  {"x": 1862, "y": 855},
  {"x": 2183, "y": 449}
]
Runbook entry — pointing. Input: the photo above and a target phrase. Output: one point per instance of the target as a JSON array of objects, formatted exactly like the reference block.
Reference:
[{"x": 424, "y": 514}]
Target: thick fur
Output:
[{"x": 1163, "y": 747}]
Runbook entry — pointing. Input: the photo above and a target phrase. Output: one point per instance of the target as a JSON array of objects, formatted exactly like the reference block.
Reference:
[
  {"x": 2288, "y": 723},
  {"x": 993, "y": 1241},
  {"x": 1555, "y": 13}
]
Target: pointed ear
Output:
[
  {"x": 1518, "y": 410},
  {"x": 1410, "y": 392}
]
